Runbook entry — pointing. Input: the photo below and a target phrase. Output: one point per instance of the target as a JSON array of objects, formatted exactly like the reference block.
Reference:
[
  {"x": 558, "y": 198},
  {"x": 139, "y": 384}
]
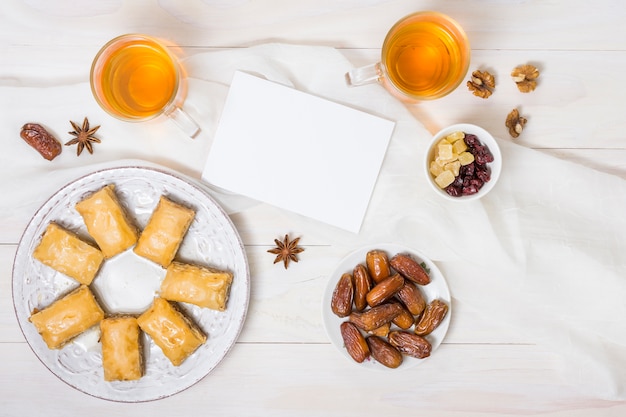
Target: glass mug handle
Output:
[
  {"x": 183, "y": 121},
  {"x": 364, "y": 75}
]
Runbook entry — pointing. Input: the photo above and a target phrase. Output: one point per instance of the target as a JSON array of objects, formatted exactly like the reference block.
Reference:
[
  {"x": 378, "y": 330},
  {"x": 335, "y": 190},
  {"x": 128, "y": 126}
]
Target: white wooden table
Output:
[{"x": 283, "y": 363}]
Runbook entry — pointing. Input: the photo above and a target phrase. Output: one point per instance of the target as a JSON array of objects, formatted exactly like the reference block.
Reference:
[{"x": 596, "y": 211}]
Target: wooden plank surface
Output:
[{"x": 283, "y": 363}]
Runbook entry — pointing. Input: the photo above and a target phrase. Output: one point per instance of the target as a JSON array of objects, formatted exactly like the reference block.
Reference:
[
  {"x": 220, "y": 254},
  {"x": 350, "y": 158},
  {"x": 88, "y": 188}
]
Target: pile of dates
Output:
[{"x": 387, "y": 314}]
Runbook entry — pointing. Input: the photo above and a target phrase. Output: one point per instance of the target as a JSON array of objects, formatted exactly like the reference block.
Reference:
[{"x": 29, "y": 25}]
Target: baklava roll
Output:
[
  {"x": 67, "y": 317},
  {"x": 122, "y": 358},
  {"x": 107, "y": 221},
  {"x": 174, "y": 333},
  {"x": 66, "y": 253},
  {"x": 202, "y": 286},
  {"x": 164, "y": 232}
]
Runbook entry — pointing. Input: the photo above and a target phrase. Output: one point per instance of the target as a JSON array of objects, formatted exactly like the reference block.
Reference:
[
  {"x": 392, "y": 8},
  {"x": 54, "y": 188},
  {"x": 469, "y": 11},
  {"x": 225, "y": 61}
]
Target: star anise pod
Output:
[
  {"x": 286, "y": 250},
  {"x": 84, "y": 137}
]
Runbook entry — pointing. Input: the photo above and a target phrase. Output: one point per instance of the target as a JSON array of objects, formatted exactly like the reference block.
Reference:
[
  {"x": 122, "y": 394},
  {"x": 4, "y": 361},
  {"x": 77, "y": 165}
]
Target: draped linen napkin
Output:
[{"x": 543, "y": 253}]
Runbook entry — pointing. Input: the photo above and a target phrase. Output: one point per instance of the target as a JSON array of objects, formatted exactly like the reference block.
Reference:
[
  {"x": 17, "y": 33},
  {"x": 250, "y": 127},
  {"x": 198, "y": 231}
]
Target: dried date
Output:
[
  {"x": 381, "y": 331},
  {"x": 384, "y": 352},
  {"x": 405, "y": 319},
  {"x": 362, "y": 286},
  {"x": 341, "y": 302},
  {"x": 433, "y": 316},
  {"x": 412, "y": 298},
  {"x": 409, "y": 269},
  {"x": 378, "y": 265},
  {"x": 387, "y": 318},
  {"x": 375, "y": 317},
  {"x": 384, "y": 290},
  {"x": 354, "y": 342},
  {"x": 410, "y": 344},
  {"x": 41, "y": 140}
]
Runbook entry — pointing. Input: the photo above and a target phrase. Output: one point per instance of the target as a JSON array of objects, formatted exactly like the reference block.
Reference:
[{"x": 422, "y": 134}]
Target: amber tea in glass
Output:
[
  {"x": 135, "y": 78},
  {"x": 424, "y": 56}
]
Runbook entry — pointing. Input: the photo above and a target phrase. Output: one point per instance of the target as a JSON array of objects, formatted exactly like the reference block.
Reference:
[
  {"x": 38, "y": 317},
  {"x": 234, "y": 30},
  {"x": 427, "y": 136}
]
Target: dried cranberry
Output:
[
  {"x": 484, "y": 174},
  {"x": 453, "y": 191},
  {"x": 471, "y": 140},
  {"x": 467, "y": 170},
  {"x": 469, "y": 190},
  {"x": 476, "y": 183}
]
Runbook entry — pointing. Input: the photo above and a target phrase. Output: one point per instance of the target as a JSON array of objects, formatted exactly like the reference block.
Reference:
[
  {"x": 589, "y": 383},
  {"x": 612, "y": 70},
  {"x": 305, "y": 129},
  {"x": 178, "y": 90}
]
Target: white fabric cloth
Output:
[{"x": 543, "y": 253}]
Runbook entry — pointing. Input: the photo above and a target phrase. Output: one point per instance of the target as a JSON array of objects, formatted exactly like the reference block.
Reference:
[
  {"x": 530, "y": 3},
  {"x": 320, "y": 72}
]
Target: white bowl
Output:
[
  {"x": 437, "y": 289},
  {"x": 486, "y": 139}
]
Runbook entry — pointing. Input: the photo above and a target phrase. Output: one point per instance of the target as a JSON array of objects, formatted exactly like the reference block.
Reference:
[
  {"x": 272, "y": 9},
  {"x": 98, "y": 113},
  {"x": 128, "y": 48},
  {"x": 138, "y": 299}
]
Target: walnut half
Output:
[
  {"x": 481, "y": 84},
  {"x": 515, "y": 123},
  {"x": 525, "y": 76}
]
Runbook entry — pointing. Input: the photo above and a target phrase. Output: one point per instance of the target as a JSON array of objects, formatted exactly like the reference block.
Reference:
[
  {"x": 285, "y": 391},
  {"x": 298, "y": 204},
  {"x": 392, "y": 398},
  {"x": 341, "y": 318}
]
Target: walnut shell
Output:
[
  {"x": 481, "y": 84},
  {"x": 515, "y": 123},
  {"x": 525, "y": 77}
]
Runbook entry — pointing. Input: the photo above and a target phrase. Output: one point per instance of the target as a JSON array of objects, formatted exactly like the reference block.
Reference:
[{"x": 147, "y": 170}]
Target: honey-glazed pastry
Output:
[
  {"x": 107, "y": 221},
  {"x": 174, "y": 333},
  {"x": 66, "y": 253},
  {"x": 202, "y": 286},
  {"x": 67, "y": 317},
  {"x": 164, "y": 232},
  {"x": 121, "y": 349}
]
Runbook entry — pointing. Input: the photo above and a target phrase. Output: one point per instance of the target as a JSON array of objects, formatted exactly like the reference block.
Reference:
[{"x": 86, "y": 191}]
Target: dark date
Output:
[{"x": 41, "y": 140}]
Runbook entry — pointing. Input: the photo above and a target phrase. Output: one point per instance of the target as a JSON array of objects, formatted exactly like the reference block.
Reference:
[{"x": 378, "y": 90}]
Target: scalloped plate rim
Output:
[{"x": 143, "y": 173}]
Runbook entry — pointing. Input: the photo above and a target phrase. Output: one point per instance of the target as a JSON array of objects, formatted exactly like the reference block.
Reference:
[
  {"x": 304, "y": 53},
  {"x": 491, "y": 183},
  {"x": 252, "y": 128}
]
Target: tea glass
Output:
[
  {"x": 135, "y": 78},
  {"x": 424, "y": 56}
]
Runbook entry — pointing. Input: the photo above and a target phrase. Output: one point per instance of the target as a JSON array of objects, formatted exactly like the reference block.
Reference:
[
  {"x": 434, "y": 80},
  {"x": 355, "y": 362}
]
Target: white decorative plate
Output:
[
  {"x": 436, "y": 289},
  {"x": 127, "y": 284}
]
